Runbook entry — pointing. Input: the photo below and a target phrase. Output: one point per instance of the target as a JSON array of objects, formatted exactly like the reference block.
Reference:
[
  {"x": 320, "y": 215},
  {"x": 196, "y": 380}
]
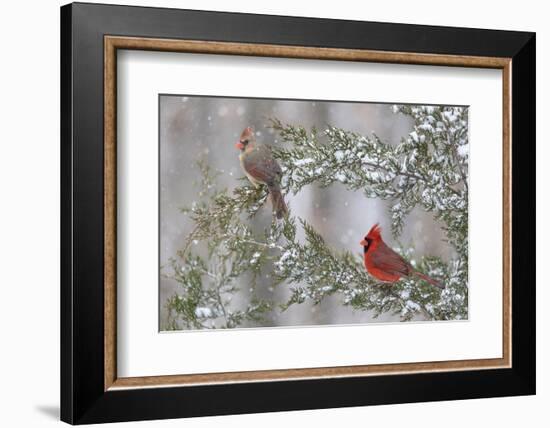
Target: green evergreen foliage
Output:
[{"x": 427, "y": 169}]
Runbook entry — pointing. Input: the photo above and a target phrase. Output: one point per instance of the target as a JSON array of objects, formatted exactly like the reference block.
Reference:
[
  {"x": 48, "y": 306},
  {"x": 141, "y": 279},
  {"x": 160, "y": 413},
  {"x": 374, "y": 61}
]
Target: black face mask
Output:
[{"x": 366, "y": 247}]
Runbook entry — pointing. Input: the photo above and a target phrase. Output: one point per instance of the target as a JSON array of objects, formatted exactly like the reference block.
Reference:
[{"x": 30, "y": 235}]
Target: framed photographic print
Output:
[{"x": 320, "y": 213}]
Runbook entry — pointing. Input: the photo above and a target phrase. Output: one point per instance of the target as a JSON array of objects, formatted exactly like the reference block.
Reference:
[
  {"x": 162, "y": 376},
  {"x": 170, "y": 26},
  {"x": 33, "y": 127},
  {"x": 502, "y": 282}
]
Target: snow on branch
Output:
[{"x": 427, "y": 168}]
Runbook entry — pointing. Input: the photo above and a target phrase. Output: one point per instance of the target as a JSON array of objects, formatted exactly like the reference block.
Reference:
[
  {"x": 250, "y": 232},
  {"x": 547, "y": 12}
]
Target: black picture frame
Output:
[{"x": 83, "y": 398}]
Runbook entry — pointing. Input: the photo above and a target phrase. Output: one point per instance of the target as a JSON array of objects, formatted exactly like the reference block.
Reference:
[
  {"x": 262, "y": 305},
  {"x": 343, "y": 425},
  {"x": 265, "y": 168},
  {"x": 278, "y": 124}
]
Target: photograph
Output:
[
  {"x": 264, "y": 211},
  {"x": 283, "y": 212}
]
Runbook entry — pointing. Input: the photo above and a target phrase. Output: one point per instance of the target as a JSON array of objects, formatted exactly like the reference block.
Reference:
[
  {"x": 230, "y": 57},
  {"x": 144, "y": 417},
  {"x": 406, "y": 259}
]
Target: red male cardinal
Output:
[
  {"x": 385, "y": 264},
  {"x": 260, "y": 167}
]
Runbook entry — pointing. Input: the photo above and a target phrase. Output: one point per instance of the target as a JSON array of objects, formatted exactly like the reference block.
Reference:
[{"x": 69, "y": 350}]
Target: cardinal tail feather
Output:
[
  {"x": 430, "y": 280},
  {"x": 279, "y": 206}
]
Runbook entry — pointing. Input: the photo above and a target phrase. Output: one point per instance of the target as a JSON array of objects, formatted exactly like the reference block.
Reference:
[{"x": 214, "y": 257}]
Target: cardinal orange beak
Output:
[
  {"x": 239, "y": 145},
  {"x": 363, "y": 243}
]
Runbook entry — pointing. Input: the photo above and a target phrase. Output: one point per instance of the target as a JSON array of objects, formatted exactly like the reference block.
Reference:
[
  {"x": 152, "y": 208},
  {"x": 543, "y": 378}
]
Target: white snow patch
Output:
[
  {"x": 463, "y": 150},
  {"x": 413, "y": 305},
  {"x": 255, "y": 257},
  {"x": 341, "y": 177},
  {"x": 302, "y": 162},
  {"x": 405, "y": 294},
  {"x": 203, "y": 312}
]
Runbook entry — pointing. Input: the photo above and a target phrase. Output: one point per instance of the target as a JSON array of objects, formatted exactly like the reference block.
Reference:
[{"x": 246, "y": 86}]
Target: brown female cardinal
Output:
[
  {"x": 260, "y": 167},
  {"x": 385, "y": 264}
]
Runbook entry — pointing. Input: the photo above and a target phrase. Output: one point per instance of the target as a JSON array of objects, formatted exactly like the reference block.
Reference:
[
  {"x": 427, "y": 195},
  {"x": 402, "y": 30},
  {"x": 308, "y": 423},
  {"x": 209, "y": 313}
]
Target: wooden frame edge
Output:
[
  {"x": 112, "y": 43},
  {"x": 109, "y": 197},
  {"x": 507, "y": 213},
  {"x": 301, "y": 52},
  {"x": 300, "y": 374}
]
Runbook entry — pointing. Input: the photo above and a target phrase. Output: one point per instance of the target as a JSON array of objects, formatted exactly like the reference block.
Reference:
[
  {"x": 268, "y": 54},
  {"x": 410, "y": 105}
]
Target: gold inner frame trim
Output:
[{"x": 113, "y": 43}]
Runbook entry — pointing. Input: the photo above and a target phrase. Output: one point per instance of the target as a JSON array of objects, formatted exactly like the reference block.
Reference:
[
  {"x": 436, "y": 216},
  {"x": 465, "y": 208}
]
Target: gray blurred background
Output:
[{"x": 193, "y": 126}]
